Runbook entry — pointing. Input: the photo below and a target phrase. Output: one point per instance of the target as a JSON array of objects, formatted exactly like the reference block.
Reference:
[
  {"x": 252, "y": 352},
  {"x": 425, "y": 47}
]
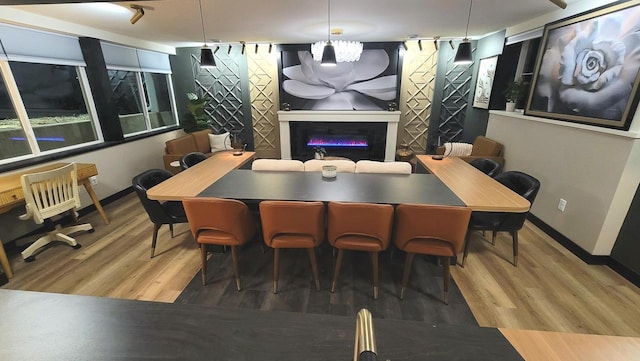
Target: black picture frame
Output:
[{"x": 587, "y": 68}]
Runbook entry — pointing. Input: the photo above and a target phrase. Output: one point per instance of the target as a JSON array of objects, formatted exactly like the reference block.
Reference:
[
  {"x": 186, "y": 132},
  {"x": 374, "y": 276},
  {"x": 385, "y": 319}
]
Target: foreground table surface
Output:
[
  {"x": 45, "y": 326},
  {"x": 477, "y": 190},
  {"x": 194, "y": 180},
  {"x": 248, "y": 185}
]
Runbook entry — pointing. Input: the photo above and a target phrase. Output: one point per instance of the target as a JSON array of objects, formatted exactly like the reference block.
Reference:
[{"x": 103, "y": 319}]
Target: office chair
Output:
[
  {"x": 49, "y": 194},
  {"x": 191, "y": 159},
  {"x": 487, "y": 166}
]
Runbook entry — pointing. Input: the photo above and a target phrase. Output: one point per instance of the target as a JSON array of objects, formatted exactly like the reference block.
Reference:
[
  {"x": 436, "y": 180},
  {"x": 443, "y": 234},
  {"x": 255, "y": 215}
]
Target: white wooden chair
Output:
[
  {"x": 278, "y": 165},
  {"x": 342, "y": 165},
  {"x": 49, "y": 194},
  {"x": 369, "y": 166}
]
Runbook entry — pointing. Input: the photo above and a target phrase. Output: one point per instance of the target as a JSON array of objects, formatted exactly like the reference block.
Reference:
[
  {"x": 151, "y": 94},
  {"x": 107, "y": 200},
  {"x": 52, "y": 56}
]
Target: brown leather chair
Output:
[
  {"x": 225, "y": 222},
  {"x": 288, "y": 224},
  {"x": 432, "y": 230},
  {"x": 359, "y": 227}
]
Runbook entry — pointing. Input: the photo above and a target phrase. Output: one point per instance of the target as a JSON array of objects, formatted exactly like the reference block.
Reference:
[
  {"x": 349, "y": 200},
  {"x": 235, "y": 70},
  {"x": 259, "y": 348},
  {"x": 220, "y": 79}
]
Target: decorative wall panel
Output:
[
  {"x": 455, "y": 99},
  {"x": 263, "y": 88},
  {"x": 416, "y": 94}
]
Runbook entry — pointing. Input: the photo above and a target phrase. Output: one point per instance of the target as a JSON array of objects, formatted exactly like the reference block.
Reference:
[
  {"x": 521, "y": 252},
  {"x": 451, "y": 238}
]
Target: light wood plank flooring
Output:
[{"x": 551, "y": 289}]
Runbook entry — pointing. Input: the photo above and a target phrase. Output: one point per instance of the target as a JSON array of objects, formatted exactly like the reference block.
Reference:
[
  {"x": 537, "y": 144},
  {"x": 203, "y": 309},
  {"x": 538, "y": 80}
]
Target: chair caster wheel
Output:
[
  {"x": 77, "y": 246},
  {"x": 91, "y": 230},
  {"x": 30, "y": 259}
]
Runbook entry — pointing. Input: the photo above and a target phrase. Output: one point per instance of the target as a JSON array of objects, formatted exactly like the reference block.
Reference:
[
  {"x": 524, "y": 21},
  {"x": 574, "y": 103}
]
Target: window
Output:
[
  {"x": 159, "y": 98},
  {"x": 50, "y": 113},
  {"x": 126, "y": 94}
]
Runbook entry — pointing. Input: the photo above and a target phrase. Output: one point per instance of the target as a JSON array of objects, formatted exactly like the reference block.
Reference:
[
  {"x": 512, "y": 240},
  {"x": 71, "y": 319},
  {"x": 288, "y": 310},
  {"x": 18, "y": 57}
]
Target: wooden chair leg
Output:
[
  {"x": 466, "y": 247},
  {"x": 203, "y": 255},
  {"x": 514, "y": 236},
  {"x": 156, "y": 227},
  {"x": 276, "y": 267},
  {"x": 314, "y": 266},
  {"x": 405, "y": 276},
  {"x": 336, "y": 271},
  {"x": 376, "y": 280},
  {"x": 446, "y": 275},
  {"x": 236, "y": 269}
]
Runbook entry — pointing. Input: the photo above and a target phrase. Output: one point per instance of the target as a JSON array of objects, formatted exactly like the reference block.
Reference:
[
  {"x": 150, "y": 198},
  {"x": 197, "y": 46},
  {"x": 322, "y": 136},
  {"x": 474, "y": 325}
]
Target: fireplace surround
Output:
[{"x": 351, "y": 134}]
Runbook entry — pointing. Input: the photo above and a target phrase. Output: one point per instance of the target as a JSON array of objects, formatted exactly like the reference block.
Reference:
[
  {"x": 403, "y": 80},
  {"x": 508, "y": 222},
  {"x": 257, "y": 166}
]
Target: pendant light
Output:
[
  {"x": 463, "y": 55},
  {"x": 206, "y": 55},
  {"x": 329, "y": 52}
]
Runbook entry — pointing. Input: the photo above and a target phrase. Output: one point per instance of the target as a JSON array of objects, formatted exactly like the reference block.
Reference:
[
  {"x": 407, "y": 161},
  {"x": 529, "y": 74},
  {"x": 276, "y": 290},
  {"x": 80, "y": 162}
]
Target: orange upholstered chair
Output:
[
  {"x": 288, "y": 224},
  {"x": 359, "y": 227},
  {"x": 225, "y": 222},
  {"x": 433, "y": 230}
]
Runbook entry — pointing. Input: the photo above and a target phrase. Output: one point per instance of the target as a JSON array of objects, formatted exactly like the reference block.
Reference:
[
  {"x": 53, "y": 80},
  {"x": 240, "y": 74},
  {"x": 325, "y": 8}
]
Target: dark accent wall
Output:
[
  {"x": 626, "y": 250},
  {"x": 101, "y": 89}
]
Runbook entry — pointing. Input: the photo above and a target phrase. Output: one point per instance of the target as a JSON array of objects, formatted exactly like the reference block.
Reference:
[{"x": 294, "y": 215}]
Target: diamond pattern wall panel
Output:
[
  {"x": 223, "y": 85},
  {"x": 416, "y": 94},
  {"x": 263, "y": 88},
  {"x": 455, "y": 98}
]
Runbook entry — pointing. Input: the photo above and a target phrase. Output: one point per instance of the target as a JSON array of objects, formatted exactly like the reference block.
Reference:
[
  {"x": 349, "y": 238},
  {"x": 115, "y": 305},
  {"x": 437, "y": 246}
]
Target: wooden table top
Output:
[
  {"x": 477, "y": 190},
  {"x": 47, "y": 326},
  {"x": 192, "y": 181},
  {"x": 11, "y": 188},
  {"x": 252, "y": 186}
]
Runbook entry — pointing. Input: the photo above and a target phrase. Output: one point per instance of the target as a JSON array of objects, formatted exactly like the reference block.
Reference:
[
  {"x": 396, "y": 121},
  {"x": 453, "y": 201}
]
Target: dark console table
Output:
[{"x": 46, "y": 326}]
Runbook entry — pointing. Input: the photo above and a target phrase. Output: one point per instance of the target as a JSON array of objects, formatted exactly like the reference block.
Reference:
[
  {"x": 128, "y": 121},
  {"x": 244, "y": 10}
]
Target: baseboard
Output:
[{"x": 585, "y": 256}]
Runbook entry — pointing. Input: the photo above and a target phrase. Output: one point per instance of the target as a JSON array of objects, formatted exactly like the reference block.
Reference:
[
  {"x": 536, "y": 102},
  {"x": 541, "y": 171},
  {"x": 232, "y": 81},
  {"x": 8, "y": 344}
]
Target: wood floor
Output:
[{"x": 551, "y": 289}]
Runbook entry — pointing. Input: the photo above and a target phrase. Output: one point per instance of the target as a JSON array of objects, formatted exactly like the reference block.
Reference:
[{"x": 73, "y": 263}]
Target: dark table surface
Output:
[
  {"x": 248, "y": 185},
  {"x": 47, "y": 326}
]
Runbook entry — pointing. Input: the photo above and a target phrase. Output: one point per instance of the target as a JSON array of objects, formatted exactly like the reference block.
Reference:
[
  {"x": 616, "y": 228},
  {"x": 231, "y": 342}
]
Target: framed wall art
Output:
[
  {"x": 484, "y": 82},
  {"x": 587, "y": 68}
]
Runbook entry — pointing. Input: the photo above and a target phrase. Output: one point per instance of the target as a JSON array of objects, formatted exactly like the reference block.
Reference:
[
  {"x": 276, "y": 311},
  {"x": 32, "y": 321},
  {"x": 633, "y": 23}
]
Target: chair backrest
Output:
[
  {"x": 487, "y": 166},
  {"x": 521, "y": 183},
  {"x": 484, "y": 146},
  {"x": 191, "y": 159},
  {"x": 51, "y": 192},
  {"x": 342, "y": 165},
  {"x": 370, "y": 166},
  {"x": 292, "y": 217},
  {"x": 145, "y": 181},
  {"x": 359, "y": 219},
  {"x": 431, "y": 229},
  {"x": 223, "y": 215},
  {"x": 277, "y": 165}
]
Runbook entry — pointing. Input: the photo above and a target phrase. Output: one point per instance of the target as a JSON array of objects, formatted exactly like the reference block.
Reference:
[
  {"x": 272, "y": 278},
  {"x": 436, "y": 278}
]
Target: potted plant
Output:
[
  {"x": 197, "y": 118},
  {"x": 514, "y": 91}
]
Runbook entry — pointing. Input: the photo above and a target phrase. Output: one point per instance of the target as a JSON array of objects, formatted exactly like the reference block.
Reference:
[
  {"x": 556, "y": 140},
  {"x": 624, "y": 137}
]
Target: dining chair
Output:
[
  {"x": 293, "y": 224},
  {"x": 222, "y": 222},
  {"x": 191, "y": 159},
  {"x": 487, "y": 166},
  {"x": 430, "y": 230},
  {"x": 170, "y": 212},
  {"x": 277, "y": 165},
  {"x": 342, "y": 165},
  {"x": 524, "y": 185},
  {"x": 370, "y": 166},
  {"x": 359, "y": 227},
  {"x": 48, "y": 194}
]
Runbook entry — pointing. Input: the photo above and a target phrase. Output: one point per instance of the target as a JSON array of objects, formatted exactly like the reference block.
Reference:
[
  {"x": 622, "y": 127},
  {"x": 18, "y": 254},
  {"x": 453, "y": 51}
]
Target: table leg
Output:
[
  {"x": 5, "y": 262},
  {"x": 96, "y": 201}
]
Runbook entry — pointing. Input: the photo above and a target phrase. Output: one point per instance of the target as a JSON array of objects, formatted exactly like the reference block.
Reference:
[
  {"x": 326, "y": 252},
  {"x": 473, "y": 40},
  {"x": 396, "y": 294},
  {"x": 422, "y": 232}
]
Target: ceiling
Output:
[{"x": 177, "y": 22}]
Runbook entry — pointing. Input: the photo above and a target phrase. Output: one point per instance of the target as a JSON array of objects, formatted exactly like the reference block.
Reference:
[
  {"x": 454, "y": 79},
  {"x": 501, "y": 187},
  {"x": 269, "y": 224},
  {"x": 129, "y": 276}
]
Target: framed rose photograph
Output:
[
  {"x": 587, "y": 68},
  {"x": 484, "y": 82}
]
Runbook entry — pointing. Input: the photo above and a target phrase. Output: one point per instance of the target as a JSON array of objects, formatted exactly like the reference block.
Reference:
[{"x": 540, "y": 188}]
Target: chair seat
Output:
[
  {"x": 218, "y": 237},
  {"x": 359, "y": 243},
  {"x": 433, "y": 247},
  {"x": 293, "y": 241}
]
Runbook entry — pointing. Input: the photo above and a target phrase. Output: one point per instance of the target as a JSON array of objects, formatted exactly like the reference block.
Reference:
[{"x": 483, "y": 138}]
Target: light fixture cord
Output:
[
  {"x": 204, "y": 37},
  {"x": 329, "y": 23},
  {"x": 468, "y": 19}
]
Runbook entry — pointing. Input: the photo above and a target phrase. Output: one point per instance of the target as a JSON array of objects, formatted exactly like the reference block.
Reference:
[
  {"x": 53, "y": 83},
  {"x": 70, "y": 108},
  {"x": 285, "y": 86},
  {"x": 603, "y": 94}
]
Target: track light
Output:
[
  {"x": 451, "y": 44},
  {"x": 270, "y": 47},
  {"x": 217, "y": 48},
  {"x": 561, "y": 4},
  {"x": 243, "y": 47},
  {"x": 404, "y": 45},
  {"x": 420, "y": 44},
  {"x": 256, "y": 48},
  {"x": 138, "y": 14},
  {"x": 435, "y": 42},
  {"x": 229, "y": 50}
]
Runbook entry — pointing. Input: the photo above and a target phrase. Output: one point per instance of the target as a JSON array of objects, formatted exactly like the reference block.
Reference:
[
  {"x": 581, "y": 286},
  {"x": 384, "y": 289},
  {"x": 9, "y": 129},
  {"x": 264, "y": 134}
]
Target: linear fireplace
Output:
[{"x": 351, "y": 134}]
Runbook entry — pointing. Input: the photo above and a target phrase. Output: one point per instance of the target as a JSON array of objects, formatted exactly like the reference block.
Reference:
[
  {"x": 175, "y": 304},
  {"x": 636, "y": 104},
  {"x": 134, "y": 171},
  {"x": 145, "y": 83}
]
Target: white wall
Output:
[{"x": 596, "y": 170}]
